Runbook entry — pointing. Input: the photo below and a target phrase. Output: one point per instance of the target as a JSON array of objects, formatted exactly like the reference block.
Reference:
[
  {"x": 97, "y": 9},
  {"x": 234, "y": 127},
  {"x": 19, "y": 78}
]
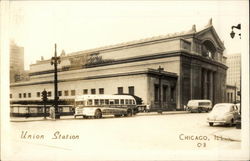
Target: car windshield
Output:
[{"x": 221, "y": 108}]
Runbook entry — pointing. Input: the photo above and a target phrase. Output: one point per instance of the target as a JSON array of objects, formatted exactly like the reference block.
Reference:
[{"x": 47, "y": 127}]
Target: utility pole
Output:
[
  {"x": 54, "y": 61},
  {"x": 45, "y": 99},
  {"x": 160, "y": 105}
]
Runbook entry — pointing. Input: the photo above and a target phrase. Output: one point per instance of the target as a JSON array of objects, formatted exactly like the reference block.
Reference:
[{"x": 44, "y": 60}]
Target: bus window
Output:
[
  {"x": 101, "y": 101},
  {"x": 106, "y": 102},
  {"x": 130, "y": 102},
  {"x": 133, "y": 102},
  {"x": 126, "y": 101},
  {"x": 122, "y": 101},
  {"x": 90, "y": 102},
  {"x": 96, "y": 101},
  {"x": 116, "y": 101},
  {"x": 111, "y": 102},
  {"x": 80, "y": 103}
]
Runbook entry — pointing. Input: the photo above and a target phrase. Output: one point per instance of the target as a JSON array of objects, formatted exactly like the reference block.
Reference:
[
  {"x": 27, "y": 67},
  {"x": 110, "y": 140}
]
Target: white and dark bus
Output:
[{"x": 98, "y": 105}]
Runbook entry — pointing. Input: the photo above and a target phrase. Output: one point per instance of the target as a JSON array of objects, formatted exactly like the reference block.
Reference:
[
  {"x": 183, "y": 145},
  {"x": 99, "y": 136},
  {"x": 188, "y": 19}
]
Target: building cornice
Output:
[
  {"x": 149, "y": 71},
  {"x": 143, "y": 58}
]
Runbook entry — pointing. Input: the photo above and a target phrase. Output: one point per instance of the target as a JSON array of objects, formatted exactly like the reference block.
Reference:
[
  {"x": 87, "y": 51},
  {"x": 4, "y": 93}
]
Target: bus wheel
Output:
[
  {"x": 129, "y": 113},
  {"x": 118, "y": 115},
  {"x": 199, "y": 110},
  {"x": 98, "y": 114}
]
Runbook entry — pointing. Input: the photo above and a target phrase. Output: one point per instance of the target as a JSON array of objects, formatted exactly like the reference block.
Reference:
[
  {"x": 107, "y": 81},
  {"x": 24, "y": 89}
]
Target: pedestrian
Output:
[
  {"x": 52, "y": 112},
  {"x": 147, "y": 108},
  {"x": 26, "y": 112}
]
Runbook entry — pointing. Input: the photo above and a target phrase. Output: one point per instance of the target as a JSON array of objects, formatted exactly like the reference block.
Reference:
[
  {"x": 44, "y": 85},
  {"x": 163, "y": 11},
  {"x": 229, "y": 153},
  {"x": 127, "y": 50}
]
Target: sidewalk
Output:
[
  {"x": 29, "y": 119},
  {"x": 230, "y": 134},
  {"x": 71, "y": 117},
  {"x": 163, "y": 113}
]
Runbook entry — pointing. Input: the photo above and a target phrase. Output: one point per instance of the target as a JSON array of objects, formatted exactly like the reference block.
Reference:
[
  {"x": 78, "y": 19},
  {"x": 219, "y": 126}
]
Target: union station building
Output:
[{"x": 182, "y": 66}]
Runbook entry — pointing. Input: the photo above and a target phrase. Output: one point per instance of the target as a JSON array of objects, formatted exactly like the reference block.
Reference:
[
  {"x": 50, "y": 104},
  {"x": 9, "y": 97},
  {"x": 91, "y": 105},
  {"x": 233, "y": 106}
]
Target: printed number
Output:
[{"x": 200, "y": 145}]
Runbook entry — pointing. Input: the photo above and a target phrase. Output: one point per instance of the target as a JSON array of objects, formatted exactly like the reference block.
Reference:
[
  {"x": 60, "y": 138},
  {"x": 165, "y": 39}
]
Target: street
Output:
[{"x": 109, "y": 137}]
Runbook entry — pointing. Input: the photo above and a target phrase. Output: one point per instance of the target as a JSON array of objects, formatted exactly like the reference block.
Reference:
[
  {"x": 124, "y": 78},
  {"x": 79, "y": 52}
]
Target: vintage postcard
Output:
[{"x": 124, "y": 80}]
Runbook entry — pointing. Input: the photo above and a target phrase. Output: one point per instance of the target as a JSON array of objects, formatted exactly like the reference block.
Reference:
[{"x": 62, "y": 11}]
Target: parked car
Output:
[
  {"x": 238, "y": 105},
  {"x": 238, "y": 119},
  {"x": 199, "y": 105},
  {"x": 225, "y": 113}
]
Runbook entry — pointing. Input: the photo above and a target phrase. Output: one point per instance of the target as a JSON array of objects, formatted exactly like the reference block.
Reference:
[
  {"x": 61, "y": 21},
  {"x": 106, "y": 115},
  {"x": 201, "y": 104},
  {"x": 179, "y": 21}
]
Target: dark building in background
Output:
[
  {"x": 17, "y": 72},
  {"x": 233, "y": 75}
]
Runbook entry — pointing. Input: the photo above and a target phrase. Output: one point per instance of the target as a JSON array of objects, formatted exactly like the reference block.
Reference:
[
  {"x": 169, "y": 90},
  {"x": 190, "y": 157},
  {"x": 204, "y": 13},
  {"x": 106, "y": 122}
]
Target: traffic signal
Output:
[{"x": 44, "y": 95}]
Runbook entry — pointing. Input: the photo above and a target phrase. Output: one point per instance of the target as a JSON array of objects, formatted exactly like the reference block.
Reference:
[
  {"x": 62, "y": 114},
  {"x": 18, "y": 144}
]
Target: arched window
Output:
[{"x": 208, "y": 49}]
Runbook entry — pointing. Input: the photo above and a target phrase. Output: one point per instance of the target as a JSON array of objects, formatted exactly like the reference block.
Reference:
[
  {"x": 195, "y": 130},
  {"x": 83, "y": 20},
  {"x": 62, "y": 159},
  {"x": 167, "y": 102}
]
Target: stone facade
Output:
[{"x": 193, "y": 68}]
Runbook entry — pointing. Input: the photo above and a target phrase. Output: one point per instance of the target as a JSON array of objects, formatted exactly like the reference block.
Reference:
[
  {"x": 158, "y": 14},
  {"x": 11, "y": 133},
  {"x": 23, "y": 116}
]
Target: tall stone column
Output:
[
  {"x": 211, "y": 92},
  {"x": 204, "y": 84}
]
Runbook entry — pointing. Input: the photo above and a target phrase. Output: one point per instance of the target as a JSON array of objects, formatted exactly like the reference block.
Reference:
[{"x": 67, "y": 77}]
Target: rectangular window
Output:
[
  {"x": 66, "y": 93},
  {"x": 90, "y": 102},
  {"x": 111, "y": 102},
  {"x": 93, "y": 91},
  {"x": 101, "y": 101},
  {"x": 156, "y": 91},
  {"x": 20, "y": 95},
  {"x": 106, "y": 102},
  {"x": 101, "y": 90},
  {"x": 24, "y": 95},
  {"x": 59, "y": 93},
  {"x": 38, "y": 94},
  {"x": 131, "y": 90},
  {"x": 73, "y": 92},
  {"x": 120, "y": 90},
  {"x": 10, "y": 95},
  {"x": 165, "y": 91},
  {"x": 96, "y": 101},
  {"x": 29, "y": 95},
  {"x": 49, "y": 94},
  {"x": 172, "y": 93},
  {"x": 117, "y": 101},
  {"x": 85, "y": 91}
]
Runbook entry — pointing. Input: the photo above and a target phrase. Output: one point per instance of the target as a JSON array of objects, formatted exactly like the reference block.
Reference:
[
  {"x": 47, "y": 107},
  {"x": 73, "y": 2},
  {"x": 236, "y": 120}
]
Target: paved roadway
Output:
[{"x": 141, "y": 137}]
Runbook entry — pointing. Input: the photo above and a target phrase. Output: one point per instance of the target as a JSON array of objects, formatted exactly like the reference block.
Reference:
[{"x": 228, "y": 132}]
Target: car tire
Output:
[
  {"x": 98, "y": 114},
  {"x": 129, "y": 113},
  {"x": 211, "y": 123},
  {"x": 231, "y": 123}
]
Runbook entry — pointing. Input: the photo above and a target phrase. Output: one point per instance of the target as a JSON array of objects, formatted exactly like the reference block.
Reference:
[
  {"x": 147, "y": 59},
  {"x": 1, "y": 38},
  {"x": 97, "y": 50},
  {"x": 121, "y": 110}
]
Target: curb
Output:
[{"x": 72, "y": 118}]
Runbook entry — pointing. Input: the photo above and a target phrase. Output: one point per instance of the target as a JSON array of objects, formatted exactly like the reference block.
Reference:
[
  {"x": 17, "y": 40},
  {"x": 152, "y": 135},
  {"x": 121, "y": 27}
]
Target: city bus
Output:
[{"x": 98, "y": 105}]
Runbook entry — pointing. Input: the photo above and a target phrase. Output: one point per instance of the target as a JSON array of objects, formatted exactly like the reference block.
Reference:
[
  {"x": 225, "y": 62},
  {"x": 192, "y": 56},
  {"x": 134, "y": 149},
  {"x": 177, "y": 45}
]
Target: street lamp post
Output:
[
  {"x": 238, "y": 120},
  {"x": 232, "y": 34},
  {"x": 54, "y": 61},
  {"x": 160, "y": 105}
]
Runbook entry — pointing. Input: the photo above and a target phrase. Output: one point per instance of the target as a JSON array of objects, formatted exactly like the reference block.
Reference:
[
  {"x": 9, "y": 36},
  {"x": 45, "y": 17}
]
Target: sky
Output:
[{"x": 81, "y": 25}]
